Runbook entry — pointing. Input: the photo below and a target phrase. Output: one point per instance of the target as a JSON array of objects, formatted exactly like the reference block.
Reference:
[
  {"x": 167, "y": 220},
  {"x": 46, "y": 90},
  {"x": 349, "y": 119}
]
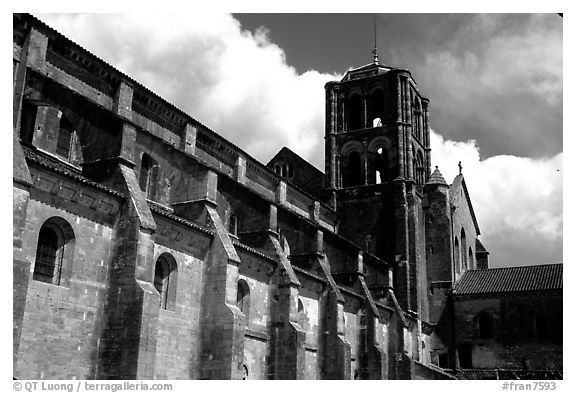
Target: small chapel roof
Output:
[{"x": 436, "y": 178}]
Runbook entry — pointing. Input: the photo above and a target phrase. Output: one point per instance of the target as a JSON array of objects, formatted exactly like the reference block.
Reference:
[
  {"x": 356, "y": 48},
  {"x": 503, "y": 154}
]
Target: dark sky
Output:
[{"x": 452, "y": 58}]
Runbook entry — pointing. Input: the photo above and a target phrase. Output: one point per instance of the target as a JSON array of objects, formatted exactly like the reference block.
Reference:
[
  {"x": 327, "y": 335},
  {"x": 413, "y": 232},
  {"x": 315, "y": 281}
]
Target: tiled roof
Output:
[
  {"x": 508, "y": 374},
  {"x": 510, "y": 279},
  {"x": 46, "y": 161}
]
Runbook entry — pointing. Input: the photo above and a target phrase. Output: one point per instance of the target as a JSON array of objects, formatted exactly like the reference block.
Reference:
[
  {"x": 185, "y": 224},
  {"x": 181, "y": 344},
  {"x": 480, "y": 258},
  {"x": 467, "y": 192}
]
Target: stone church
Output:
[{"x": 147, "y": 246}]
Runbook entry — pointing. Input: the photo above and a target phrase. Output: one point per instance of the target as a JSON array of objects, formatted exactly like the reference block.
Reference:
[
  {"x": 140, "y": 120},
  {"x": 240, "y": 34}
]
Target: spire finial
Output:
[
  {"x": 375, "y": 50},
  {"x": 460, "y": 166}
]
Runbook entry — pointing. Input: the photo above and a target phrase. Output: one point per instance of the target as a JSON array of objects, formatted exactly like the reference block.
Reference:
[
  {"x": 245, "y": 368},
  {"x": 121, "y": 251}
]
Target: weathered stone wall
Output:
[
  {"x": 462, "y": 220},
  {"x": 516, "y": 342},
  {"x": 68, "y": 315},
  {"x": 177, "y": 346}
]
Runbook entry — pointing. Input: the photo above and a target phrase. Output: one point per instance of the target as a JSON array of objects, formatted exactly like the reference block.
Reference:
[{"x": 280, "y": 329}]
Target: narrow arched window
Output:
[
  {"x": 49, "y": 255},
  {"x": 64, "y": 141},
  {"x": 354, "y": 112},
  {"x": 419, "y": 168},
  {"x": 470, "y": 258},
  {"x": 243, "y": 298},
  {"x": 485, "y": 325},
  {"x": 165, "y": 278},
  {"x": 377, "y": 107},
  {"x": 381, "y": 166},
  {"x": 354, "y": 175},
  {"x": 54, "y": 252},
  {"x": 457, "y": 255},
  {"x": 28, "y": 121},
  {"x": 417, "y": 119},
  {"x": 148, "y": 176},
  {"x": 233, "y": 227},
  {"x": 463, "y": 250}
]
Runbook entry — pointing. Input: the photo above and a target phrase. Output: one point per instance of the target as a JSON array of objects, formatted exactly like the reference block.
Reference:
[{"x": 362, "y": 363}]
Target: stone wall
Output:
[{"x": 515, "y": 341}]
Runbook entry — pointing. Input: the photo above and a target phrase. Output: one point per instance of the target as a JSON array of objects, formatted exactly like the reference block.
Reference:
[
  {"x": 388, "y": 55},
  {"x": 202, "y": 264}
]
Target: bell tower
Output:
[
  {"x": 377, "y": 161},
  {"x": 376, "y": 128}
]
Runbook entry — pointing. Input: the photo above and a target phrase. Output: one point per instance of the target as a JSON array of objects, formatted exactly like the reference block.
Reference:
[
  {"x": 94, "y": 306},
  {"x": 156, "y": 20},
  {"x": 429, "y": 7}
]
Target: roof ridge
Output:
[{"x": 515, "y": 267}]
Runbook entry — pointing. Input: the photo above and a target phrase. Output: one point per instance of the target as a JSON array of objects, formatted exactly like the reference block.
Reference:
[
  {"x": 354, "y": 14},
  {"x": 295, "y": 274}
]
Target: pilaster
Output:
[{"x": 22, "y": 181}]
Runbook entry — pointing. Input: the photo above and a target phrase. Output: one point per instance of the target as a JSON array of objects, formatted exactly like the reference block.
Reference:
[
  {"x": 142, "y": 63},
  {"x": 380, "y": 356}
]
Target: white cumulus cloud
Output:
[{"x": 517, "y": 200}]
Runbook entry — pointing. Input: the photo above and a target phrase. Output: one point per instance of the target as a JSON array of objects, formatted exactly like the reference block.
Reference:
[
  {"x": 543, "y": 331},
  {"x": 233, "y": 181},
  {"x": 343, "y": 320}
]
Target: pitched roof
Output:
[
  {"x": 458, "y": 183},
  {"x": 436, "y": 178},
  {"x": 307, "y": 178},
  {"x": 510, "y": 279},
  {"x": 370, "y": 69}
]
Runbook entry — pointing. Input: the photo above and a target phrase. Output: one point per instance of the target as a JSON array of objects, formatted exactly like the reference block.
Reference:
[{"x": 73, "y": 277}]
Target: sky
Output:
[{"x": 495, "y": 84}]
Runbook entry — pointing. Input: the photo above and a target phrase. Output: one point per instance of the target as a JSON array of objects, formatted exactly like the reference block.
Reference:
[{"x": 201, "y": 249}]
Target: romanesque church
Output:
[{"x": 147, "y": 246}]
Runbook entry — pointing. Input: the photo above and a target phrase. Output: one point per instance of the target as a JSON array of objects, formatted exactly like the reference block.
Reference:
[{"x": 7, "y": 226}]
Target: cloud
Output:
[
  {"x": 234, "y": 81},
  {"x": 517, "y": 200},
  {"x": 495, "y": 78},
  {"x": 239, "y": 84}
]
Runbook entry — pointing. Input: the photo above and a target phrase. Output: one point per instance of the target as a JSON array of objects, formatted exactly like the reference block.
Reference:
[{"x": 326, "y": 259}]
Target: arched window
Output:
[
  {"x": 381, "y": 166},
  {"x": 54, "y": 252},
  {"x": 457, "y": 255},
  {"x": 243, "y": 298},
  {"x": 419, "y": 174},
  {"x": 148, "y": 176},
  {"x": 49, "y": 255},
  {"x": 354, "y": 112},
  {"x": 417, "y": 119},
  {"x": 463, "y": 250},
  {"x": 485, "y": 325},
  {"x": 233, "y": 225},
  {"x": 377, "y": 107},
  {"x": 165, "y": 277},
  {"x": 28, "y": 121},
  {"x": 470, "y": 258},
  {"x": 64, "y": 141},
  {"x": 354, "y": 170}
]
